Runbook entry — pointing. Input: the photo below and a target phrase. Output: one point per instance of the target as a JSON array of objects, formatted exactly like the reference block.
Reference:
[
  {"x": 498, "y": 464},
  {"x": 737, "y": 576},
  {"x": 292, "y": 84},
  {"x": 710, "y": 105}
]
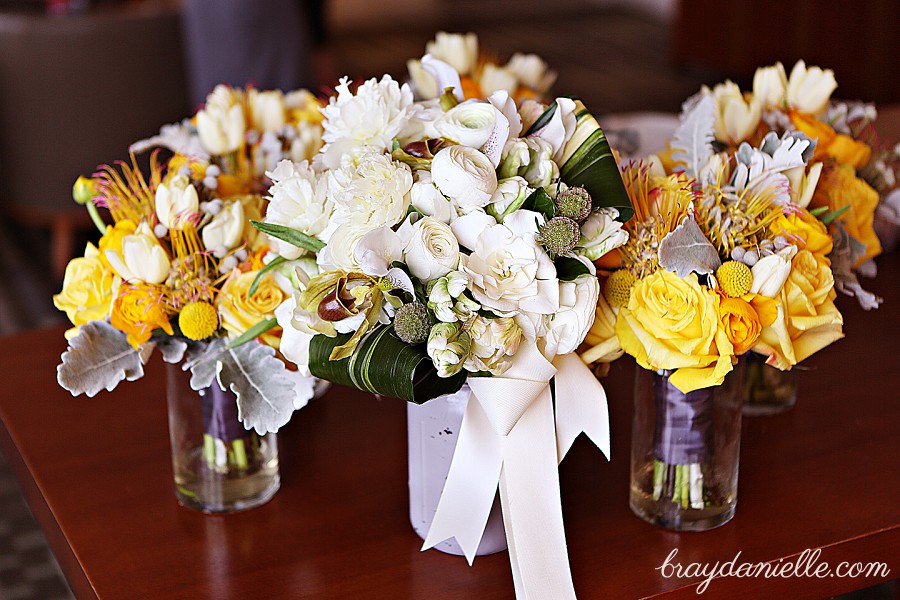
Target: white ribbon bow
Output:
[{"x": 508, "y": 438}]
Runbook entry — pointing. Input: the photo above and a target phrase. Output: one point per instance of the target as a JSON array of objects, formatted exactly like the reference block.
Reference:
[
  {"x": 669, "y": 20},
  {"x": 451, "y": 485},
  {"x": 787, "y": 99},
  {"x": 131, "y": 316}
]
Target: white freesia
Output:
[
  {"x": 449, "y": 347},
  {"x": 298, "y": 198},
  {"x": 458, "y": 50},
  {"x": 226, "y": 229},
  {"x": 221, "y": 123},
  {"x": 267, "y": 109},
  {"x": 370, "y": 192},
  {"x": 770, "y": 86},
  {"x": 142, "y": 257},
  {"x": 429, "y": 201},
  {"x": 567, "y": 328},
  {"x": 369, "y": 119},
  {"x": 494, "y": 78},
  {"x": 808, "y": 90},
  {"x": 770, "y": 272},
  {"x": 468, "y": 124},
  {"x": 430, "y": 249},
  {"x": 600, "y": 233},
  {"x": 532, "y": 71},
  {"x": 509, "y": 271},
  {"x": 464, "y": 175},
  {"x": 176, "y": 202},
  {"x": 736, "y": 118},
  {"x": 494, "y": 343},
  {"x": 509, "y": 197}
]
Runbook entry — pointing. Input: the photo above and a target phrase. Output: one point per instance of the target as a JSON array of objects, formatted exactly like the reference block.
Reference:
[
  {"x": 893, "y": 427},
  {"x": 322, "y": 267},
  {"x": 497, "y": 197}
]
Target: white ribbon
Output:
[{"x": 508, "y": 438}]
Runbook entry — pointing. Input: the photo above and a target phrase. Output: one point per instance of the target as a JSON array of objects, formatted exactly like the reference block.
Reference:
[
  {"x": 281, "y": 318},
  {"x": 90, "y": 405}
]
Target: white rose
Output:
[
  {"x": 371, "y": 191},
  {"x": 509, "y": 272},
  {"x": 464, "y": 175},
  {"x": 571, "y": 323},
  {"x": 176, "y": 201},
  {"x": 267, "y": 110},
  {"x": 736, "y": 118},
  {"x": 532, "y": 71},
  {"x": 770, "y": 86},
  {"x": 510, "y": 195},
  {"x": 468, "y": 124},
  {"x": 494, "y": 79},
  {"x": 298, "y": 198},
  {"x": 221, "y": 124},
  {"x": 430, "y": 250},
  {"x": 226, "y": 228},
  {"x": 601, "y": 233},
  {"x": 458, "y": 50},
  {"x": 429, "y": 201},
  {"x": 142, "y": 257},
  {"x": 770, "y": 272},
  {"x": 448, "y": 346},
  {"x": 808, "y": 90}
]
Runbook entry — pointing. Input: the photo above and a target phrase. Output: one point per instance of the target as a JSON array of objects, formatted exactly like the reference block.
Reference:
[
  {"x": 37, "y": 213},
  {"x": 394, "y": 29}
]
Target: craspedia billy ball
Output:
[
  {"x": 735, "y": 278},
  {"x": 617, "y": 290},
  {"x": 198, "y": 320}
]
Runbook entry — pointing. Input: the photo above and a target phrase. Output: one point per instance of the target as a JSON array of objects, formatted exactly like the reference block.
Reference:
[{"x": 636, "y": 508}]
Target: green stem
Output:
[
  {"x": 659, "y": 475},
  {"x": 676, "y": 495},
  {"x": 685, "y": 486},
  {"x": 209, "y": 450},
  {"x": 240, "y": 454},
  {"x": 95, "y": 217}
]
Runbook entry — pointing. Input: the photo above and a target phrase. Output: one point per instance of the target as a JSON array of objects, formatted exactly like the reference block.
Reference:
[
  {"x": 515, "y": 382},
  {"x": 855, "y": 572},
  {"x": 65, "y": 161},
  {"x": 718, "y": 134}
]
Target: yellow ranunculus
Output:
[
  {"x": 673, "y": 323},
  {"x": 744, "y": 318},
  {"x": 601, "y": 343},
  {"x": 240, "y": 311},
  {"x": 830, "y": 144},
  {"x": 807, "y": 319},
  {"x": 806, "y": 232},
  {"x": 88, "y": 289},
  {"x": 112, "y": 239},
  {"x": 848, "y": 151},
  {"x": 840, "y": 187},
  {"x": 137, "y": 311}
]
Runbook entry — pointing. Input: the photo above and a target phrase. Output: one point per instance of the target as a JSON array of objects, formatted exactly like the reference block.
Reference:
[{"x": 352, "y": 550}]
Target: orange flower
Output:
[
  {"x": 831, "y": 144},
  {"x": 839, "y": 187},
  {"x": 137, "y": 311},
  {"x": 742, "y": 319}
]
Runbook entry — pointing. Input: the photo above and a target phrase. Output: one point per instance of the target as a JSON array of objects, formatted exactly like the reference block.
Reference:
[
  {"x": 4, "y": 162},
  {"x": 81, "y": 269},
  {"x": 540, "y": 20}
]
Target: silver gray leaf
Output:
[
  {"x": 692, "y": 142},
  {"x": 172, "y": 349},
  {"x": 686, "y": 249},
  {"x": 201, "y": 360},
  {"x": 98, "y": 358}
]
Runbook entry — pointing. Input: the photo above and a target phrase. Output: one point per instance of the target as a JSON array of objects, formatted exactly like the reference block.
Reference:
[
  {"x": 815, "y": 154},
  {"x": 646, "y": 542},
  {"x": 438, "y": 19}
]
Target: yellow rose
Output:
[
  {"x": 840, "y": 187},
  {"x": 673, "y": 323},
  {"x": 807, "y": 319},
  {"x": 806, "y": 232},
  {"x": 88, "y": 289},
  {"x": 830, "y": 144},
  {"x": 743, "y": 319},
  {"x": 240, "y": 311},
  {"x": 137, "y": 311},
  {"x": 601, "y": 343}
]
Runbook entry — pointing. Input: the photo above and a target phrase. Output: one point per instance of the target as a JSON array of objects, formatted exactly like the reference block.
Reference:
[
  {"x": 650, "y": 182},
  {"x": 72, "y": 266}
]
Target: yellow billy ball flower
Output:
[
  {"x": 735, "y": 278},
  {"x": 198, "y": 320},
  {"x": 617, "y": 290}
]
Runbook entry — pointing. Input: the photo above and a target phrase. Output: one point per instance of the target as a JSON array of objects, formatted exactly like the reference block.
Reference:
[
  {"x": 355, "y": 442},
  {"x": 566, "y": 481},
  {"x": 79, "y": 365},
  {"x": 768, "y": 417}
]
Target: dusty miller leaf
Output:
[
  {"x": 686, "y": 249},
  {"x": 692, "y": 142},
  {"x": 201, "y": 360},
  {"x": 172, "y": 349},
  {"x": 844, "y": 254},
  {"x": 98, "y": 358}
]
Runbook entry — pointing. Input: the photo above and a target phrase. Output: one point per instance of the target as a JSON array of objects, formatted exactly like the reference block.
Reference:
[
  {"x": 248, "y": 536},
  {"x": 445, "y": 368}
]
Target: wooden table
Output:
[{"x": 97, "y": 475}]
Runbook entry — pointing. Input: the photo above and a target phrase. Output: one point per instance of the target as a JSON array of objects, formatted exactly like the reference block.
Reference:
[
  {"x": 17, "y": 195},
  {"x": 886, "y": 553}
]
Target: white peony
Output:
[
  {"x": 369, "y": 119},
  {"x": 430, "y": 249},
  {"x": 464, "y": 175},
  {"x": 176, "y": 202},
  {"x": 370, "y": 191},
  {"x": 494, "y": 78},
  {"x": 468, "y": 124},
  {"x": 493, "y": 344},
  {"x": 298, "y": 198},
  {"x": 142, "y": 257},
  {"x": 601, "y": 233},
  {"x": 808, "y": 90},
  {"x": 736, "y": 118},
  {"x": 509, "y": 272},
  {"x": 267, "y": 110},
  {"x": 458, "y": 50},
  {"x": 567, "y": 328},
  {"x": 221, "y": 123},
  {"x": 770, "y": 86},
  {"x": 531, "y": 71},
  {"x": 226, "y": 229}
]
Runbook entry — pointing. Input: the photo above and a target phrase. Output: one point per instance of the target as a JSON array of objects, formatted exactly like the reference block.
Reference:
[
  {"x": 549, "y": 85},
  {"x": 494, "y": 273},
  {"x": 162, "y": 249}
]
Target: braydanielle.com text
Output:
[{"x": 805, "y": 565}]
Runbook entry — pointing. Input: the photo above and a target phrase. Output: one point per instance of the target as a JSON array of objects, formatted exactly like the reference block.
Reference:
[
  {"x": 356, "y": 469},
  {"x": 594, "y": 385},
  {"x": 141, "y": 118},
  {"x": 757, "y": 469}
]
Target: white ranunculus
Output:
[
  {"x": 142, "y": 257},
  {"x": 340, "y": 252},
  {"x": 371, "y": 191},
  {"x": 494, "y": 343},
  {"x": 509, "y": 272},
  {"x": 176, "y": 202},
  {"x": 221, "y": 123},
  {"x": 494, "y": 78},
  {"x": 808, "y": 90},
  {"x": 267, "y": 110},
  {"x": 736, "y": 118},
  {"x": 226, "y": 229},
  {"x": 468, "y": 124},
  {"x": 430, "y": 249},
  {"x": 370, "y": 119},
  {"x": 532, "y": 71},
  {"x": 601, "y": 233},
  {"x": 770, "y": 272},
  {"x": 770, "y": 86},
  {"x": 458, "y": 50},
  {"x": 298, "y": 198},
  {"x": 577, "y": 307},
  {"x": 449, "y": 347},
  {"x": 509, "y": 197},
  {"x": 464, "y": 175},
  {"x": 429, "y": 201}
]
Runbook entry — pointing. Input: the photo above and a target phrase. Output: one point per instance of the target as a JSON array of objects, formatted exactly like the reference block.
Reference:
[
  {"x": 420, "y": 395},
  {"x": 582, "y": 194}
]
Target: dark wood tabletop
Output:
[{"x": 96, "y": 473}]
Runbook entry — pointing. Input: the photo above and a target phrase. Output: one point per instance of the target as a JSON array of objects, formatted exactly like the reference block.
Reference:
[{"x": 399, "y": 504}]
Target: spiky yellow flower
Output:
[
  {"x": 735, "y": 278},
  {"x": 198, "y": 320},
  {"x": 617, "y": 290}
]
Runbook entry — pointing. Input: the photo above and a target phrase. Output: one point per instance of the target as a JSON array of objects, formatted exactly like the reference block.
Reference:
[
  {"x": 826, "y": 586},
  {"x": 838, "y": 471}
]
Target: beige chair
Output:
[{"x": 74, "y": 93}]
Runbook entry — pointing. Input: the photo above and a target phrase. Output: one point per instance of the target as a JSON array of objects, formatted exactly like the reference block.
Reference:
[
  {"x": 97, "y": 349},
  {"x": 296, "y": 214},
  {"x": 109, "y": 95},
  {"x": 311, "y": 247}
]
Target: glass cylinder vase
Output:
[
  {"x": 767, "y": 390},
  {"x": 685, "y": 450},
  {"x": 433, "y": 430},
  {"x": 218, "y": 465}
]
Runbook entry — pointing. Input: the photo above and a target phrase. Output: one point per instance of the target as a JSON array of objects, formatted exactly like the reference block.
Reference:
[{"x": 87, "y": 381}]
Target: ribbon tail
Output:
[
  {"x": 471, "y": 485},
  {"x": 581, "y": 406},
  {"x": 532, "y": 511}
]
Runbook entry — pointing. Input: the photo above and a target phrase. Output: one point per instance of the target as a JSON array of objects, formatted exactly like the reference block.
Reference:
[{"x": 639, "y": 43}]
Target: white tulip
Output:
[
  {"x": 176, "y": 202},
  {"x": 430, "y": 249},
  {"x": 770, "y": 86},
  {"x": 142, "y": 257},
  {"x": 510, "y": 195},
  {"x": 808, "y": 90},
  {"x": 226, "y": 229},
  {"x": 449, "y": 347},
  {"x": 468, "y": 124},
  {"x": 770, "y": 272},
  {"x": 458, "y": 50},
  {"x": 494, "y": 79},
  {"x": 464, "y": 175},
  {"x": 423, "y": 82},
  {"x": 532, "y": 71},
  {"x": 221, "y": 124},
  {"x": 736, "y": 118},
  {"x": 446, "y": 298},
  {"x": 494, "y": 343},
  {"x": 267, "y": 110}
]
